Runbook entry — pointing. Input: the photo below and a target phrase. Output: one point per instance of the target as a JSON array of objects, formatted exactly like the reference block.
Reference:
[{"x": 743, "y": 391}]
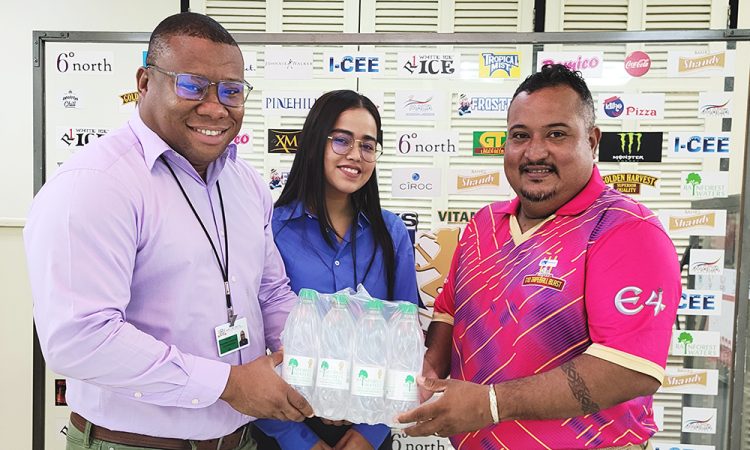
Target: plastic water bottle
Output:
[
  {"x": 405, "y": 356},
  {"x": 331, "y": 398},
  {"x": 300, "y": 339},
  {"x": 369, "y": 363}
]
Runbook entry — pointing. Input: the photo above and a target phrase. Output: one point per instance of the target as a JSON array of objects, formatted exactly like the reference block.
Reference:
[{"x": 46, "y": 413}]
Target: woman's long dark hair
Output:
[{"x": 307, "y": 184}]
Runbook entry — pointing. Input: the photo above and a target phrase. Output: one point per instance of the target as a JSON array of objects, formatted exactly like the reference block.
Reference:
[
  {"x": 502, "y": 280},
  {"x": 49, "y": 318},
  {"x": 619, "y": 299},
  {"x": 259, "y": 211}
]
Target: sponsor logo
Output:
[
  {"x": 590, "y": 64},
  {"x": 679, "y": 446},
  {"x": 690, "y": 381},
  {"x": 417, "y": 105},
  {"x": 632, "y": 183},
  {"x": 130, "y": 97},
  {"x": 636, "y": 106},
  {"x": 288, "y": 103},
  {"x": 698, "y": 185},
  {"x": 695, "y": 343},
  {"x": 699, "y": 420},
  {"x": 277, "y": 179},
  {"x": 288, "y": 64},
  {"x": 473, "y": 182},
  {"x": 694, "y": 64},
  {"x": 243, "y": 139},
  {"x": 699, "y": 303},
  {"x": 630, "y": 146},
  {"x": 706, "y": 262},
  {"x": 691, "y": 145},
  {"x": 714, "y": 104},
  {"x": 456, "y": 216},
  {"x": 427, "y": 64},
  {"x": 477, "y": 182},
  {"x": 489, "y": 143},
  {"x": 420, "y": 183},
  {"x": 691, "y": 64},
  {"x": 353, "y": 64},
  {"x": 483, "y": 105},
  {"x": 637, "y": 63},
  {"x": 251, "y": 63},
  {"x": 623, "y": 299},
  {"x": 411, "y": 221},
  {"x": 694, "y": 222},
  {"x": 70, "y": 100},
  {"x": 499, "y": 65},
  {"x": 283, "y": 141},
  {"x": 434, "y": 253},
  {"x": 544, "y": 276},
  {"x": 422, "y": 142},
  {"x": 78, "y": 137},
  {"x": 84, "y": 62}
]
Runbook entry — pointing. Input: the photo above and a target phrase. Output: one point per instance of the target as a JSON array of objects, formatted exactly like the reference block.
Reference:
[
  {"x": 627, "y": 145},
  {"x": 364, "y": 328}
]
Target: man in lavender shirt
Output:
[{"x": 136, "y": 299}]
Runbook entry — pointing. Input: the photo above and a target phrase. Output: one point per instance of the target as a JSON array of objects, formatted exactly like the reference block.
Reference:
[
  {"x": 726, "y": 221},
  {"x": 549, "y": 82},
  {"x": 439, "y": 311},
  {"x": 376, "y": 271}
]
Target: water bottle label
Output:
[
  {"x": 298, "y": 370},
  {"x": 368, "y": 381},
  {"x": 333, "y": 373},
  {"x": 402, "y": 386}
]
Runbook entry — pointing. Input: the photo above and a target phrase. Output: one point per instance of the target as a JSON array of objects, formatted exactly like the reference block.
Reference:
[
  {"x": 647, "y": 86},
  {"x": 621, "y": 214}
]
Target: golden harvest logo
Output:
[
  {"x": 629, "y": 183},
  {"x": 710, "y": 61},
  {"x": 476, "y": 181},
  {"x": 693, "y": 379},
  {"x": 437, "y": 260},
  {"x": 698, "y": 220},
  {"x": 544, "y": 277},
  {"x": 130, "y": 97}
]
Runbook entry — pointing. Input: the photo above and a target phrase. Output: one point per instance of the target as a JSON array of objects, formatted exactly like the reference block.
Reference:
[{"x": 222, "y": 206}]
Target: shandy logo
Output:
[
  {"x": 499, "y": 65},
  {"x": 489, "y": 143},
  {"x": 630, "y": 147},
  {"x": 283, "y": 141}
]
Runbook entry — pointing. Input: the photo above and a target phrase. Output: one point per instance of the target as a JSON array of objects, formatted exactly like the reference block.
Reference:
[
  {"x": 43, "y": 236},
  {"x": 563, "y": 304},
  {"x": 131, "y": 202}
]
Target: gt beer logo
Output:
[
  {"x": 627, "y": 297},
  {"x": 489, "y": 143}
]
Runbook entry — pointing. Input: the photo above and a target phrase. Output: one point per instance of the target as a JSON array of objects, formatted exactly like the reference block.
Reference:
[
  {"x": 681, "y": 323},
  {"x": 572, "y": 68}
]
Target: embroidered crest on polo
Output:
[{"x": 544, "y": 276}]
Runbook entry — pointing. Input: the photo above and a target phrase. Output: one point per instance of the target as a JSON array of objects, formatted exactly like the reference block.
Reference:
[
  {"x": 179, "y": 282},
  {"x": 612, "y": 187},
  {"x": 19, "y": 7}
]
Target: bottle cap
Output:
[
  {"x": 308, "y": 295},
  {"x": 407, "y": 308},
  {"x": 374, "y": 305},
  {"x": 340, "y": 299}
]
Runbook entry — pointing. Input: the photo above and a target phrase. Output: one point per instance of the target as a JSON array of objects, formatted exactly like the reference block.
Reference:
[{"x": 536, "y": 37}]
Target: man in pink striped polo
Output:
[{"x": 555, "y": 319}]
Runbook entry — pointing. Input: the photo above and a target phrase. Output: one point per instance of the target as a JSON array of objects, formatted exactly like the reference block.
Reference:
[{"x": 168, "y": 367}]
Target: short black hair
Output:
[
  {"x": 186, "y": 24},
  {"x": 553, "y": 75}
]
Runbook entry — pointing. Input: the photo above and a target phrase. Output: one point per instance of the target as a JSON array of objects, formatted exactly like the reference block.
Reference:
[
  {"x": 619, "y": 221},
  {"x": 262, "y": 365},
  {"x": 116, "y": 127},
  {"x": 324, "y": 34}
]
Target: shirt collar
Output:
[
  {"x": 296, "y": 210},
  {"x": 576, "y": 205},
  {"x": 154, "y": 146}
]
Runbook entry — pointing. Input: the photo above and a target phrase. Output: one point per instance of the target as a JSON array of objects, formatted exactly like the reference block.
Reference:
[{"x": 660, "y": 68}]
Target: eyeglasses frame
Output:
[
  {"x": 174, "y": 75},
  {"x": 379, "y": 151}
]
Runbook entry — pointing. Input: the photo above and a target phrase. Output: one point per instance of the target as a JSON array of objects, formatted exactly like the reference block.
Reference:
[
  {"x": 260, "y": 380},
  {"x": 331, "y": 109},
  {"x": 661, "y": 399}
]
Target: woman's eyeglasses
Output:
[{"x": 370, "y": 149}]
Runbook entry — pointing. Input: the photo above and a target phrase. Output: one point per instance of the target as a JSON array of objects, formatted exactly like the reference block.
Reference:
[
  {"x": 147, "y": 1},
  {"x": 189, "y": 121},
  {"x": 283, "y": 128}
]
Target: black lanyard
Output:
[{"x": 224, "y": 268}]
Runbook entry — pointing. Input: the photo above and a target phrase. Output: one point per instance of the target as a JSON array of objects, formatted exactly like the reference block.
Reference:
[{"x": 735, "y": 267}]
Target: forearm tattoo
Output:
[{"x": 579, "y": 389}]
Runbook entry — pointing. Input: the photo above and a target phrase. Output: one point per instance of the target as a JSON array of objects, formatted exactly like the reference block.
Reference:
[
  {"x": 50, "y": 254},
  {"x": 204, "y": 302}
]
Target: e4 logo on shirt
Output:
[{"x": 623, "y": 300}]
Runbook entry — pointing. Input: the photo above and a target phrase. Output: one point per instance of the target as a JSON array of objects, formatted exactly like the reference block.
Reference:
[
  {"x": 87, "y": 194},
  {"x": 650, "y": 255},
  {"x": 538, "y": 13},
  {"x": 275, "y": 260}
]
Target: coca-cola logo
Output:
[{"x": 637, "y": 63}]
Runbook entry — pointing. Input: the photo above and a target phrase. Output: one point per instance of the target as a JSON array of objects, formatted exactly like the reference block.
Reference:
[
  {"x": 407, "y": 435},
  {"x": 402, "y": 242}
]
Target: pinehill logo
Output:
[
  {"x": 629, "y": 183},
  {"x": 506, "y": 65},
  {"x": 711, "y": 61},
  {"x": 130, "y": 97},
  {"x": 283, "y": 141},
  {"x": 489, "y": 143},
  {"x": 456, "y": 216},
  {"x": 544, "y": 276},
  {"x": 476, "y": 181},
  {"x": 699, "y": 379},
  {"x": 700, "y": 220},
  {"x": 630, "y": 146}
]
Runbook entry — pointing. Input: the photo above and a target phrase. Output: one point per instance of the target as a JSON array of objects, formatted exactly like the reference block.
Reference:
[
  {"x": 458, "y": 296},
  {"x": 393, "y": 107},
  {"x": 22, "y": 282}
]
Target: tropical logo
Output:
[
  {"x": 544, "y": 276},
  {"x": 499, "y": 65}
]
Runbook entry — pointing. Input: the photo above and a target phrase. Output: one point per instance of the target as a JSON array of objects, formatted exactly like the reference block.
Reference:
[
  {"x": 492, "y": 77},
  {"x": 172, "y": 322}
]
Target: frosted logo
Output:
[
  {"x": 715, "y": 104},
  {"x": 277, "y": 179},
  {"x": 499, "y": 65},
  {"x": 483, "y": 105},
  {"x": 590, "y": 64},
  {"x": 637, "y": 64},
  {"x": 427, "y": 142},
  {"x": 84, "y": 62},
  {"x": 699, "y": 145},
  {"x": 706, "y": 262},
  {"x": 699, "y": 420},
  {"x": 419, "y": 183}
]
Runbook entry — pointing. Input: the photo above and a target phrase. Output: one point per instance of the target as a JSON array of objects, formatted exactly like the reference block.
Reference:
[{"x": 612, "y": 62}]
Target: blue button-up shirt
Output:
[{"x": 311, "y": 263}]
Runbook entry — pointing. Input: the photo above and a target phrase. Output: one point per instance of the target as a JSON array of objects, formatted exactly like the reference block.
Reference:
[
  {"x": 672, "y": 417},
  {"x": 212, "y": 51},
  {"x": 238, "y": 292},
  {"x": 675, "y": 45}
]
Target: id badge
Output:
[{"x": 229, "y": 339}]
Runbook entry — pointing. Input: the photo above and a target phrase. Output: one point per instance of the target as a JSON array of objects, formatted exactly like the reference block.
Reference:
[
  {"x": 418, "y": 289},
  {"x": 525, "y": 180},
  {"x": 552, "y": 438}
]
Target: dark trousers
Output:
[{"x": 328, "y": 433}]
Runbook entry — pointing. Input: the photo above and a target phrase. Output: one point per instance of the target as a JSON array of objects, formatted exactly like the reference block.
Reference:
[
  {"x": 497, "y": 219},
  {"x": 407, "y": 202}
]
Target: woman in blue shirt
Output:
[{"x": 332, "y": 234}]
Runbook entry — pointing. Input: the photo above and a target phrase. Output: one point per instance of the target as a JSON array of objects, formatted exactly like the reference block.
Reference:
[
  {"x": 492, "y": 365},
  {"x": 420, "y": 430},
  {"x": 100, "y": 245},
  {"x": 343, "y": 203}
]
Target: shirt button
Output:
[
  {"x": 234, "y": 279},
  {"x": 137, "y": 395},
  {"x": 337, "y": 263},
  {"x": 194, "y": 401}
]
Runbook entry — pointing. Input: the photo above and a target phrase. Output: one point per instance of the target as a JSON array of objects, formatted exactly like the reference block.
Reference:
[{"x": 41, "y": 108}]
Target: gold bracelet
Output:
[{"x": 493, "y": 405}]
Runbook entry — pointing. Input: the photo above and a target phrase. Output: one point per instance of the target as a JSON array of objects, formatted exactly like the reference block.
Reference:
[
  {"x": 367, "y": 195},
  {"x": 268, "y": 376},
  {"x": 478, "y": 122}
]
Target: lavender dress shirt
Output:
[{"x": 127, "y": 290}]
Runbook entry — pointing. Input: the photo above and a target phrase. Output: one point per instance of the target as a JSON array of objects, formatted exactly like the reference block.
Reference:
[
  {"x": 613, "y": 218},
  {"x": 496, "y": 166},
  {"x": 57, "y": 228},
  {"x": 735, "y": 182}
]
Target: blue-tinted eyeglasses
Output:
[
  {"x": 195, "y": 87},
  {"x": 341, "y": 144}
]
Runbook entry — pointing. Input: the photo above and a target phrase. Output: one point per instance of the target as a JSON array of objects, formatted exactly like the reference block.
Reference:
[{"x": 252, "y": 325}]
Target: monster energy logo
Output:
[{"x": 627, "y": 140}]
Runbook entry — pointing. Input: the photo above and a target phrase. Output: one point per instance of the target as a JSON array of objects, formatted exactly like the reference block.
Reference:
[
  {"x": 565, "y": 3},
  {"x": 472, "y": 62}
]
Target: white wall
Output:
[{"x": 16, "y": 182}]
